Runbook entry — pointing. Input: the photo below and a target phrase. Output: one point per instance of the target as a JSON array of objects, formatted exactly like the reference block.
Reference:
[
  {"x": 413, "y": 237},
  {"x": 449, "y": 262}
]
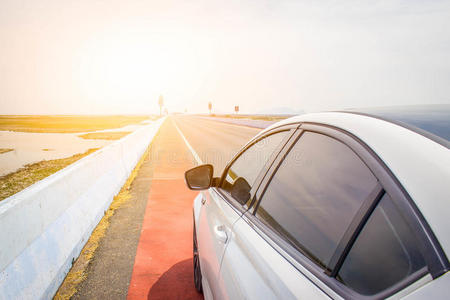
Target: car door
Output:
[
  {"x": 224, "y": 205},
  {"x": 303, "y": 203},
  {"x": 317, "y": 221}
]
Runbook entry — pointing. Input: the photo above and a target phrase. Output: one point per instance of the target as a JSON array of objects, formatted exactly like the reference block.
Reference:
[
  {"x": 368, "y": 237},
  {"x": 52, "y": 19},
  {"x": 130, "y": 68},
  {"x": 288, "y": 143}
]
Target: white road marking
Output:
[{"x": 197, "y": 158}]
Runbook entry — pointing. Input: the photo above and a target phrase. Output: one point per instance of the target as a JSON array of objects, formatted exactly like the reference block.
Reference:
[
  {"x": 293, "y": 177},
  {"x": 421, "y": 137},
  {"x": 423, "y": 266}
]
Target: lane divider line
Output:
[{"x": 197, "y": 158}]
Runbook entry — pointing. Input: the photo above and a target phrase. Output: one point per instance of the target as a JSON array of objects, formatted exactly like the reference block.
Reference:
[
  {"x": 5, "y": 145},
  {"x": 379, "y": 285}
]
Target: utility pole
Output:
[{"x": 161, "y": 104}]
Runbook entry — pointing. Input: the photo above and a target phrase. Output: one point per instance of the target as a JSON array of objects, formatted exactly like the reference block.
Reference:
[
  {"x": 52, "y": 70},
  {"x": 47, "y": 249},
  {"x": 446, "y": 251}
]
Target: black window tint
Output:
[
  {"x": 245, "y": 169},
  {"x": 384, "y": 253},
  {"x": 315, "y": 194}
]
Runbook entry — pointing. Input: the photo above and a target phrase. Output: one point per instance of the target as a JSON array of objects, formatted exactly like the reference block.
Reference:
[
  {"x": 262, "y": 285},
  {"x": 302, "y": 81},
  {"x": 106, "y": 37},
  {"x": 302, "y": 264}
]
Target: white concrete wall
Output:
[{"x": 44, "y": 227}]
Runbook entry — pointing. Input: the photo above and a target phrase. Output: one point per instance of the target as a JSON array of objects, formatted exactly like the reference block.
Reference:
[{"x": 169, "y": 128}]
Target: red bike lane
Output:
[{"x": 163, "y": 266}]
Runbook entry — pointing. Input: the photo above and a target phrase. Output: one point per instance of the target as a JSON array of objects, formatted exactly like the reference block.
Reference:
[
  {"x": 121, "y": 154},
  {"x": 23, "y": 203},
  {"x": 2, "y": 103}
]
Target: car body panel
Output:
[
  {"x": 406, "y": 292},
  {"x": 253, "y": 269},
  {"x": 433, "y": 290},
  {"x": 214, "y": 216}
]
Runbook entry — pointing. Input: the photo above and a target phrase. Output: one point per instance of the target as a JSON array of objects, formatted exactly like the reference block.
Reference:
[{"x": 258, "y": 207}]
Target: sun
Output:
[{"x": 136, "y": 67}]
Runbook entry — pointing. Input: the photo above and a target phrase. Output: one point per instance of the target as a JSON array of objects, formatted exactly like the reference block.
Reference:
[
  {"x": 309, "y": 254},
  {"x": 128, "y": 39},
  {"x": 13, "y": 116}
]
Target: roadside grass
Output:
[
  {"x": 253, "y": 117},
  {"x": 112, "y": 135},
  {"x": 67, "y": 124},
  {"x": 14, "y": 182},
  {"x": 77, "y": 273},
  {"x": 4, "y": 150}
]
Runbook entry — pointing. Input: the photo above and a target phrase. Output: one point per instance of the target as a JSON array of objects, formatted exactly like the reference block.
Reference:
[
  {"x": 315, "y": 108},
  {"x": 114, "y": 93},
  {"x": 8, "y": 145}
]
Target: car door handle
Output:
[{"x": 221, "y": 234}]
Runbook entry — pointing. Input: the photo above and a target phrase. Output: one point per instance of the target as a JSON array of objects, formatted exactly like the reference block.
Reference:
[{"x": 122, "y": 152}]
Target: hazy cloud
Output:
[{"x": 118, "y": 56}]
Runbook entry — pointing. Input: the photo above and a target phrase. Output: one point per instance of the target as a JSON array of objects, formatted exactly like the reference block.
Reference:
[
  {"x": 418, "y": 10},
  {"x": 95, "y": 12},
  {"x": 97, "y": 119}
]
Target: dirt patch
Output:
[
  {"x": 4, "y": 150},
  {"x": 15, "y": 182}
]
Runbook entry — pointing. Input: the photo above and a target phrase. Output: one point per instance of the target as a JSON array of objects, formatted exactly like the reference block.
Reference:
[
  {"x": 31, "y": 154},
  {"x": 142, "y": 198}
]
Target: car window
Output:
[
  {"x": 384, "y": 253},
  {"x": 314, "y": 195},
  {"x": 242, "y": 174}
]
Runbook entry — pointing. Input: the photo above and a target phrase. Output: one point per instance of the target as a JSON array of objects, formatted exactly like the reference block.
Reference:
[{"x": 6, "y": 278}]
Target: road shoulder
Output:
[{"x": 103, "y": 269}]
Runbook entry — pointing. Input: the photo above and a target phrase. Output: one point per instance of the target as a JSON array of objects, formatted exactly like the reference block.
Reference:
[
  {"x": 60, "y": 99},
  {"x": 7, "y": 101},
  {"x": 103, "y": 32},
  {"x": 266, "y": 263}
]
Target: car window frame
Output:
[
  {"x": 290, "y": 129},
  {"x": 436, "y": 261}
]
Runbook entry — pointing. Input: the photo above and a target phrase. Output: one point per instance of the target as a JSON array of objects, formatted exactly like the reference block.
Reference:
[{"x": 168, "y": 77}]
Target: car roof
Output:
[
  {"x": 420, "y": 164},
  {"x": 432, "y": 121}
]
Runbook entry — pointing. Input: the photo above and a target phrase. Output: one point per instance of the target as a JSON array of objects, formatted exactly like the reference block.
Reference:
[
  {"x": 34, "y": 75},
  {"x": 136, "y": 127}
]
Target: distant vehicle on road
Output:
[{"x": 335, "y": 205}]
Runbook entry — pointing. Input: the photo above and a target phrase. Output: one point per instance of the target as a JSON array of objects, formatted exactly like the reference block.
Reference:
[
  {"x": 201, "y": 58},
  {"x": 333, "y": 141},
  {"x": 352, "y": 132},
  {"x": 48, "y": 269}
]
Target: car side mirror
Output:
[{"x": 199, "y": 178}]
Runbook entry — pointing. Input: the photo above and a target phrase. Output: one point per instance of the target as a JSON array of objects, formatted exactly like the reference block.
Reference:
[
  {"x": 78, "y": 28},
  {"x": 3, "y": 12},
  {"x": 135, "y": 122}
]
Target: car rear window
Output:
[{"x": 384, "y": 253}]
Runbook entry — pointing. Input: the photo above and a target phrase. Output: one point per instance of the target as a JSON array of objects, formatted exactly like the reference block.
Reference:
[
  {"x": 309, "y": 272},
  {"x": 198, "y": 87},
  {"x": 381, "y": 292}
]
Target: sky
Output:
[{"x": 267, "y": 56}]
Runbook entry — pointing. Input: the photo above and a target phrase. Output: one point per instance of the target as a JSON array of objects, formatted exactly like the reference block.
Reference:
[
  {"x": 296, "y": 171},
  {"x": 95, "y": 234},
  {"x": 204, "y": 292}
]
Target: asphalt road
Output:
[
  {"x": 215, "y": 142},
  {"x": 133, "y": 228}
]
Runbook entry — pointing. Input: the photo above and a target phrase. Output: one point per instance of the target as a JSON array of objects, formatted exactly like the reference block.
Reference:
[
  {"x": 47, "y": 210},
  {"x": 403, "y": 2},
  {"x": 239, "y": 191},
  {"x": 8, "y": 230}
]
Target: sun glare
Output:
[{"x": 135, "y": 68}]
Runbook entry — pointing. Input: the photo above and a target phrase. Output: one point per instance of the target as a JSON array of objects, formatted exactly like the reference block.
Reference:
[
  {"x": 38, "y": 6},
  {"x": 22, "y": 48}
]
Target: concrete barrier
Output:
[{"x": 44, "y": 227}]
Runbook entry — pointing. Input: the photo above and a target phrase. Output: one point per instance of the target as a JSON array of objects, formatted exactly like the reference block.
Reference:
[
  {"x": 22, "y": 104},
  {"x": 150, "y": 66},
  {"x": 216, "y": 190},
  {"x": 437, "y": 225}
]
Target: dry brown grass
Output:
[
  {"x": 15, "y": 182},
  {"x": 4, "y": 150},
  {"x": 112, "y": 135},
  {"x": 67, "y": 124},
  {"x": 77, "y": 273},
  {"x": 253, "y": 117}
]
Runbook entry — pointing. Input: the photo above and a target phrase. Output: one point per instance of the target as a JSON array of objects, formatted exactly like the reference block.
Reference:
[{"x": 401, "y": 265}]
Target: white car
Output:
[{"x": 329, "y": 205}]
